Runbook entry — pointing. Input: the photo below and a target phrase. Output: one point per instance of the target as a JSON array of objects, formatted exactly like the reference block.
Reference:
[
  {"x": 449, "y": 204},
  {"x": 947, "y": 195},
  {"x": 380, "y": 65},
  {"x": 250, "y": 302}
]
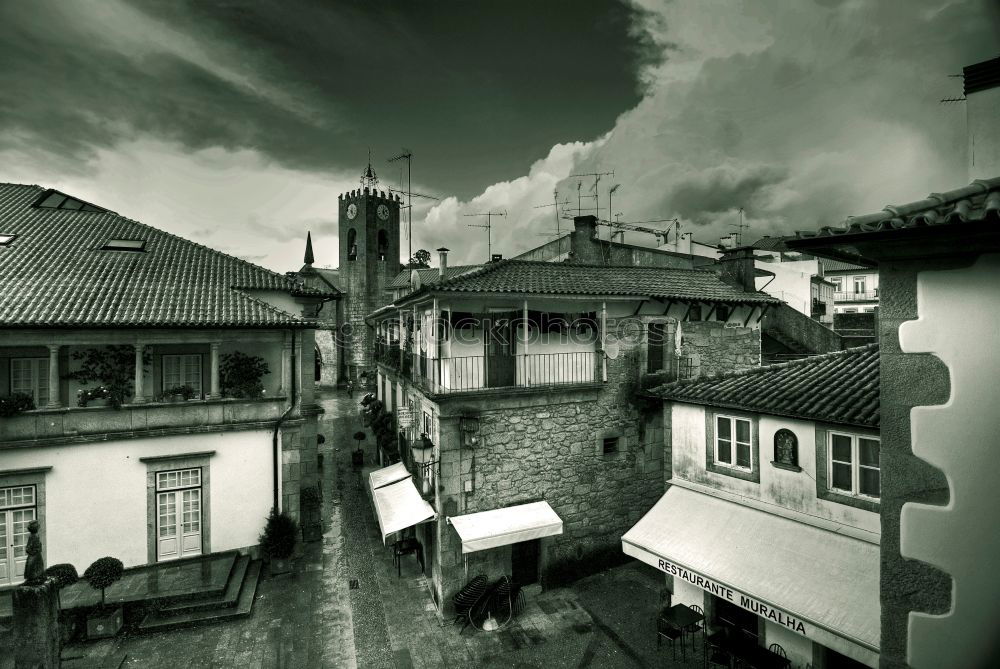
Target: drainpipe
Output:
[{"x": 275, "y": 451}]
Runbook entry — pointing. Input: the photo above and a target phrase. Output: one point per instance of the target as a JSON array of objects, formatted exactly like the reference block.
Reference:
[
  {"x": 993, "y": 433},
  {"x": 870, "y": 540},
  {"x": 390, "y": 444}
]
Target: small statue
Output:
[{"x": 34, "y": 566}]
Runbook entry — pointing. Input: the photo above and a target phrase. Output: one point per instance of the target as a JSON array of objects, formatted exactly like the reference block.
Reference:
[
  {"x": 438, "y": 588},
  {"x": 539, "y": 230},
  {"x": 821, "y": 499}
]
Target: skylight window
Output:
[
  {"x": 53, "y": 199},
  {"x": 124, "y": 245},
  {"x": 5, "y": 240}
]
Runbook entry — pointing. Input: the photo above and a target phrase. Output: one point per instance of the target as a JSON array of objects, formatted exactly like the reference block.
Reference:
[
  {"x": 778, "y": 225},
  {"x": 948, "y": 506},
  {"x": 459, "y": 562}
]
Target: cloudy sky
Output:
[{"x": 237, "y": 124}]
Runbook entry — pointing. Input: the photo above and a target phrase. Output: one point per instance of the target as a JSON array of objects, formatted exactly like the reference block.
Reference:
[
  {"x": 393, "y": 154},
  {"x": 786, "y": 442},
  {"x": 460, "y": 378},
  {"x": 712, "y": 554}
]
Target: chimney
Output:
[
  {"x": 982, "y": 108},
  {"x": 737, "y": 267},
  {"x": 442, "y": 261},
  {"x": 684, "y": 243},
  {"x": 584, "y": 244},
  {"x": 496, "y": 257}
]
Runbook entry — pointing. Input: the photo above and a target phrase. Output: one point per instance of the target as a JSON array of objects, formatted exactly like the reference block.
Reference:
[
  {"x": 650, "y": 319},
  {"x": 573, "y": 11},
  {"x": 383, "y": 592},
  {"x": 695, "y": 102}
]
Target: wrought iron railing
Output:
[{"x": 856, "y": 296}]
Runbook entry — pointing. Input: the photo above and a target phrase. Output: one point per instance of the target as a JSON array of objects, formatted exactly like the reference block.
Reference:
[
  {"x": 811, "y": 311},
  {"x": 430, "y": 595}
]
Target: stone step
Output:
[
  {"x": 157, "y": 622},
  {"x": 228, "y": 598}
]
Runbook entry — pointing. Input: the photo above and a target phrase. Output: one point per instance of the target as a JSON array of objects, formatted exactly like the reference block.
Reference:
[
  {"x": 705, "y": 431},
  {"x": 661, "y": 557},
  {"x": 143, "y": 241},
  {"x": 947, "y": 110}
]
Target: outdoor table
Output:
[
  {"x": 680, "y": 616},
  {"x": 749, "y": 654}
]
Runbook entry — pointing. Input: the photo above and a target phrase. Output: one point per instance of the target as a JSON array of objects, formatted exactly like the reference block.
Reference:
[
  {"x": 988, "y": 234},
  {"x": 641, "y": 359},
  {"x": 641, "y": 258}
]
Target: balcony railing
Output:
[
  {"x": 472, "y": 373},
  {"x": 856, "y": 296}
]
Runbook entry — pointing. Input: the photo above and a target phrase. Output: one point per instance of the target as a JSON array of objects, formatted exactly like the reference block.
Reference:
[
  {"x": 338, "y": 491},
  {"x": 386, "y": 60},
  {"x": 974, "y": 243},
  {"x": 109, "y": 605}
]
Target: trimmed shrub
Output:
[
  {"x": 279, "y": 535},
  {"x": 15, "y": 403},
  {"x": 102, "y": 573},
  {"x": 63, "y": 573}
]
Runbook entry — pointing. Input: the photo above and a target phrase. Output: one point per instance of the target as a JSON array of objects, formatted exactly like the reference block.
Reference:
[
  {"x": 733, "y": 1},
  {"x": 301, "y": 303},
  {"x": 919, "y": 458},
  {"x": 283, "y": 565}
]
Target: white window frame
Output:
[
  {"x": 855, "y": 463},
  {"x": 193, "y": 482},
  {"x": 733, "y": 442},
  {"x": 182, "y": 378},
  {"x": 838, "y": 283},
  {"x": 38, "y": 371},
  {"x": 863, "y": 281}
]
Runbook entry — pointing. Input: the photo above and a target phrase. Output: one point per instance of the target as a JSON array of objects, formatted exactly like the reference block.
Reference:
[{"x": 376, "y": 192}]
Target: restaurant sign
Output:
[
  {"x": 735, "y": 596},
  {"x": 404, "y": 418}
]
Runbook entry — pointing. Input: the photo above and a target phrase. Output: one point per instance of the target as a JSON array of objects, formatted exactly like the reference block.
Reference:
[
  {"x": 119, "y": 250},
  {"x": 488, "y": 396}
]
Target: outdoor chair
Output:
[
  {"x": 495, "y": 603},
  {"x": 779, "y": 651},
  {"x": 717, "y": 657},
  {"x": 693, "y": 629},
  {"x": 467, "y": 597},
  {"x": 671, "y": 634}
]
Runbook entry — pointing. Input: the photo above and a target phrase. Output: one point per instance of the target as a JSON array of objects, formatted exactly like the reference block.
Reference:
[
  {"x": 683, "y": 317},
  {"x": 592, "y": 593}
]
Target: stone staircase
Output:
[{"x": 235, "y": 601}]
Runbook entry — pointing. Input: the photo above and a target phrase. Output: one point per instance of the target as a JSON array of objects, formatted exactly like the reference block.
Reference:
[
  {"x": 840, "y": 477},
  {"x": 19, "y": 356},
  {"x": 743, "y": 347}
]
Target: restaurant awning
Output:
[
  {"x": 500, "y": 527},
  {"x": 397, "y": 501},
  {"x": 387, "y": 475},
  {"x": 804, "y": 576}
]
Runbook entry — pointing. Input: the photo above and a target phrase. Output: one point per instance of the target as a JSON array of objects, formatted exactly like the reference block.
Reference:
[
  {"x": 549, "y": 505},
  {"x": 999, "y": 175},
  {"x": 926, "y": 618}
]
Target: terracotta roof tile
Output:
[
  {"x": 430, "y": 275},
  {"x": 534, "y": 277},
  {"x": 55, "y": 273},
  {"x": 840, "y": 387}
]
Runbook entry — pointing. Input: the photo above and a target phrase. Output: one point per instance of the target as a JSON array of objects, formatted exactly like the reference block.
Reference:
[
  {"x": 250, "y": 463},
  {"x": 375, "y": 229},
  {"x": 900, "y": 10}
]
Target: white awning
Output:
[
  {"x": 812, "y": 580},
  {"x": 399, "y": 505},
  {"x": 499, "y": 527},
  {"x": 387, "y": 475}
]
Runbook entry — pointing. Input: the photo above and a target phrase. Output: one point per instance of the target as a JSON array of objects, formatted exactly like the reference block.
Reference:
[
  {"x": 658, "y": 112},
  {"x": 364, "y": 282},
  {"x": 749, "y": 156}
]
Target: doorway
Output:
[
  {"x": 500, "y": 359},
  {"x": 17, "y": 509},
  {"x": 524, "y": 557},
  {"x": 178, "y": 514}
]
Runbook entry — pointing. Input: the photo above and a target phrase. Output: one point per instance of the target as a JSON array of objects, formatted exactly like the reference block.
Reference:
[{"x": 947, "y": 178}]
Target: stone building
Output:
[
  {"x": 517, "y": 383},
  {"x": 168, "y": 451},
  {"x": 770, "y": 520}
]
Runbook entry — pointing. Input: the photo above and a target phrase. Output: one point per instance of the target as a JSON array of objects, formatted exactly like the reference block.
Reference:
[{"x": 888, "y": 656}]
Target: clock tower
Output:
[{"x": 369, "y": 261}]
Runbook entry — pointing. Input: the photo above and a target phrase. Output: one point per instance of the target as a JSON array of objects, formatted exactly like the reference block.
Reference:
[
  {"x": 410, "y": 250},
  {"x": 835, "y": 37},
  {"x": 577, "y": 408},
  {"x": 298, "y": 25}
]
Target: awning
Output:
[
  {"x": 399, "y": 505},
  {"x": 387, "y": 475},
  {"x": 499, "y": 527},
  {"x": 805, "y": 577}
]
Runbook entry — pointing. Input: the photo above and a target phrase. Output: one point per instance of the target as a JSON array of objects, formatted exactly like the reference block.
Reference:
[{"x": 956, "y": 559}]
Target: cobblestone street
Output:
[{"x": 345, "y": 607}]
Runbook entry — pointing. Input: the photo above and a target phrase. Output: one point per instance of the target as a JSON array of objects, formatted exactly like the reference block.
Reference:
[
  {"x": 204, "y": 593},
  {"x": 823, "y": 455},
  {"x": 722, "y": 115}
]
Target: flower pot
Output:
[
  {"x": 104, "y": 623},
  {"x": 175, "y": 399},
  {"x": 98, "y": 402}
]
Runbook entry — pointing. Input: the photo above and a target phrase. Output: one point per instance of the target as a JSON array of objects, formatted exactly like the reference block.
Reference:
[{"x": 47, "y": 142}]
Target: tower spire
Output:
[{"x": 309, "y": 259}]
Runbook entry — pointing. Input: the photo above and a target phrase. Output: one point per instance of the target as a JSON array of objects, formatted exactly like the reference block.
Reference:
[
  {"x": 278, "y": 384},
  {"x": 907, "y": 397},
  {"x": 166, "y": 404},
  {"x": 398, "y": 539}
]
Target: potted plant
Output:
[
  {"x": 113, "y": 367},
  {"x": 240, "y": 375},
  {"x": 277, "y": 542},
  {"x": 15, "y": 403},
  {"x": 179, "y": 393},
  {"x": 358, "y": 455},
  {"x": 104, "y": 622},
  {"x": 98, "y": 396}
]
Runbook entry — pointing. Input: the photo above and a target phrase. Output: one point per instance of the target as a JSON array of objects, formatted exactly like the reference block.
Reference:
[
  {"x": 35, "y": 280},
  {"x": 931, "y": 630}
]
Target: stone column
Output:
[
  {"x": 139, "y": 395},
  {"x": 214, "y": 393},
  {"x": 36, "y": 626},
  {"x": 286, "y": 366},
  {"x": 54, "y": 402}
]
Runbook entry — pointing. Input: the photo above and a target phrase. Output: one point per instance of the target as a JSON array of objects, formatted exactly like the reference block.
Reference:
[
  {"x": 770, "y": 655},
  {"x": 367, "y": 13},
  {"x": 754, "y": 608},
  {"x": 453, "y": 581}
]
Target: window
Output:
[
  {"x": 838, "y": 283},
  {"x": 694, "y": 312},
  {"x": 722, "y": 312},
  {"x": 5, "y": 240},
  {"x": 17, "y": 509},
  {"x": 138, "y": 245},
  {"x": 610, "y": 445},
  {"x": 656, "y": 341},
  {"x": 732, "y": 442},
  {"x": 850, "y": 311},
  {"x": 859, "y": 284},
  {"x": 854, "y": 464},
  {"x": 182, "y": 370},
  {"x": 383, "y": 244},
  {"x": 31, "y": 377},
  {"x": 53, "y": 199},
  {"x": 178, "y": 513}
]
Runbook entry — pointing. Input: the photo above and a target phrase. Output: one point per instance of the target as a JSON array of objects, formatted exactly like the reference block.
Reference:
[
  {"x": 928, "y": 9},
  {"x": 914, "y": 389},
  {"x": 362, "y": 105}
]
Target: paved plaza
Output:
[{"x": 345, "y": 606}]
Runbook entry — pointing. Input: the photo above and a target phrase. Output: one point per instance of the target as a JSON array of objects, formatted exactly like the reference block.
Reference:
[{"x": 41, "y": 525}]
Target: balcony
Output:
[
  {"x": 866, "y": 296},
  {"x": 134, "y": 420},
  {"x": 478, "y": 373}
]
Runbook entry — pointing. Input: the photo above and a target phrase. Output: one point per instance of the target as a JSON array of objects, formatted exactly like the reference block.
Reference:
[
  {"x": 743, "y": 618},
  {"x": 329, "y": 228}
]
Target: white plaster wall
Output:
[
  {"x": 779, "y": 487},
  {"x": 797, "y": 647},
  {"x": 983, "y": 111},
  {"x": 96, "y": 493},
  {"x": 792, "y": 282},
  {"x": 688, "y": 594},
  {"x": 958, "y": 322}
]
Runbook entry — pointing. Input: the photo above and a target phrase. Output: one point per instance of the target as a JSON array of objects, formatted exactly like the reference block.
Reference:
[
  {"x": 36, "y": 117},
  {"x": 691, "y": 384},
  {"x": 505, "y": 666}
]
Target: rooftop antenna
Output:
[
  {"x": 555, "y": 203},
  {"x": 597, "y": 178},
  {"x": 489, "y": 228},
  {"x": 612, "y": 191},
  {"x": 406, "y": 155},
  {"x": 740, "y": 227}
]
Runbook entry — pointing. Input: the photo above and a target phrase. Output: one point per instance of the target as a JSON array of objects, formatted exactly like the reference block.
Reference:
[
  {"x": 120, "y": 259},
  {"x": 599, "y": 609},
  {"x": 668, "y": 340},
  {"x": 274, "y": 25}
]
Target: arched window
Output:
[
  {"x": 352, "y": 245},
  {"x": 383, "y": 244},
  {"x": 786, "y": 448}
]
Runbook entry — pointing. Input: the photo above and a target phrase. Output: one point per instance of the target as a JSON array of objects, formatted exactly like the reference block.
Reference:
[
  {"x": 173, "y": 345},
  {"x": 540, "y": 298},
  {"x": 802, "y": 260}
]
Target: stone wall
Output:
[{"x": 710, "y": 348}]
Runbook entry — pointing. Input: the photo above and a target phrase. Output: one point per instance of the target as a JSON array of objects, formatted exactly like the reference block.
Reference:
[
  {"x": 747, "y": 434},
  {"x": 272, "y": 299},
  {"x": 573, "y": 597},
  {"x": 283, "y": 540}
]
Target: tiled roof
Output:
[
  {"x": 55, "y": 273},
  {"x": 979, "y": 202},
  {"x": 431, "y": 275},
  {"x": 830, "y": 265},
  {"x": 772, "y": 243},
  {"x": 840, "y": 387},
  {"x": 534, "y": 277}
]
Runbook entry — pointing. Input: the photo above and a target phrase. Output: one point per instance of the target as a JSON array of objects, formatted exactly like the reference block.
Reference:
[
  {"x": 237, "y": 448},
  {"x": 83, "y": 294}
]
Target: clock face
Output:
[
  {"x": 352, "y": 211},
  {"x": 383, "y": 212}
]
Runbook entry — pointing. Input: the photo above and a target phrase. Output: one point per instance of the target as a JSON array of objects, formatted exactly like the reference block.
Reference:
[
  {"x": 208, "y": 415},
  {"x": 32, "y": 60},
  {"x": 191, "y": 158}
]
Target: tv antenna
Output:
[
  {"x": 489, "y": 228},
  {"x": 740, "y": 227},
  {"x": 597, "y": 179},
  {"x": 406, "y": 155},
  {"x": 555, "y": 203}
]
